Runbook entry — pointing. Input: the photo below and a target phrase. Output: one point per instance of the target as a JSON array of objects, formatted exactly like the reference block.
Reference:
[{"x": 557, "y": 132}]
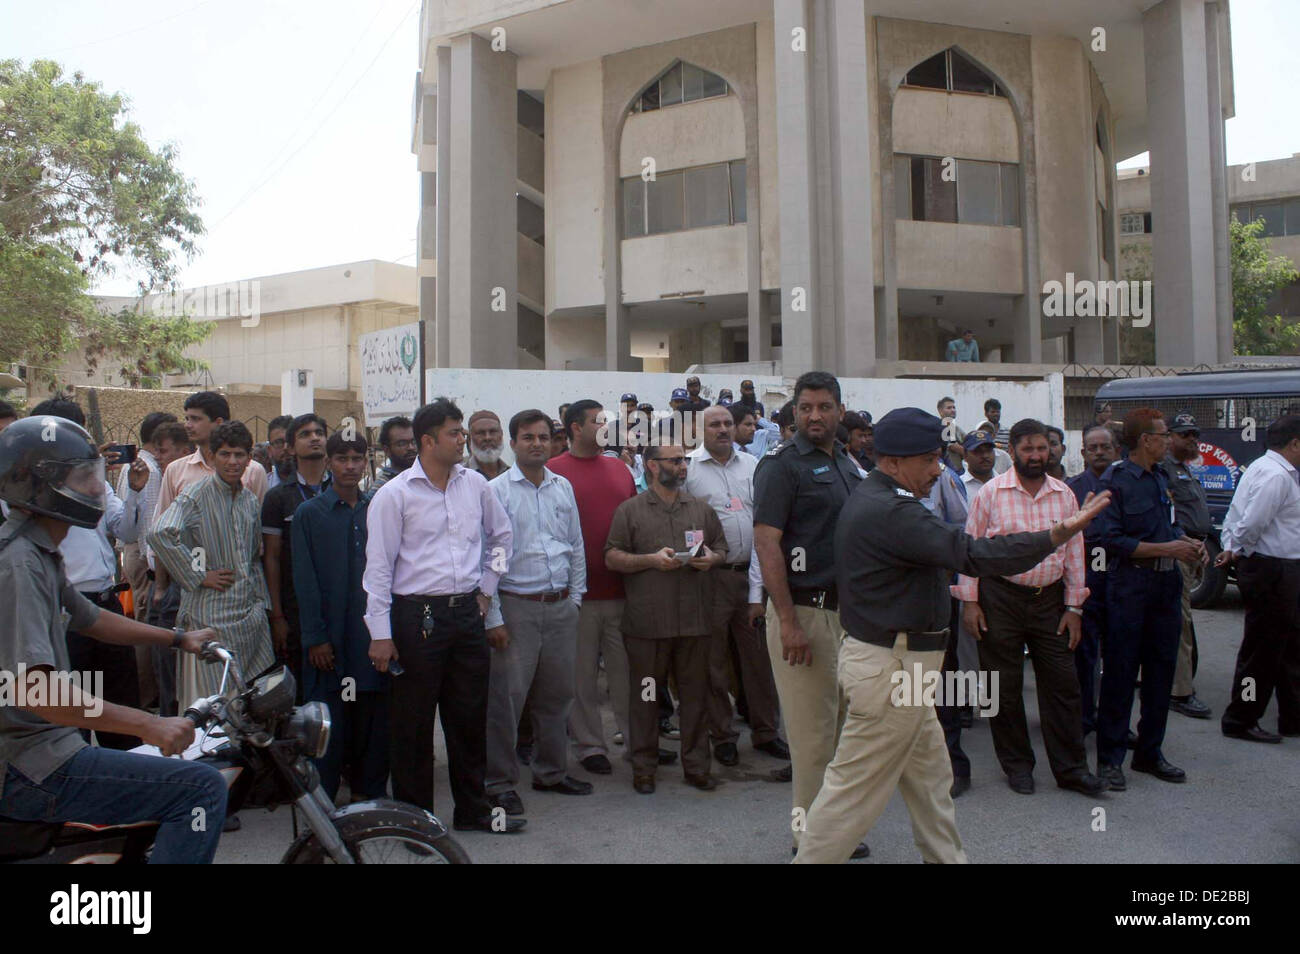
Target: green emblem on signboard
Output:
[{"x": 408, "y": 350}]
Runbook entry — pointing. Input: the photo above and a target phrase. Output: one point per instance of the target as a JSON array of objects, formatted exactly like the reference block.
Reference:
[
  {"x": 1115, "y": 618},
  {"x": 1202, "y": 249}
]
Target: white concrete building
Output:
[{"x": 837, "y": 184}]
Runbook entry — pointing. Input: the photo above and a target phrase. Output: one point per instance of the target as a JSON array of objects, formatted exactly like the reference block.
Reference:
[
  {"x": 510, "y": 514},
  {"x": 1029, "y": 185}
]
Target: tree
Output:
[
  {"x": 1256, "y": 276},
  {"x": 82, "y": 198}
]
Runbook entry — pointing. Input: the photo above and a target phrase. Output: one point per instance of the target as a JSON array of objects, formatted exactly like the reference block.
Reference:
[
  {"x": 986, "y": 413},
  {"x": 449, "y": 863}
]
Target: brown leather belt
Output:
[{"x": 539, "y": 597}]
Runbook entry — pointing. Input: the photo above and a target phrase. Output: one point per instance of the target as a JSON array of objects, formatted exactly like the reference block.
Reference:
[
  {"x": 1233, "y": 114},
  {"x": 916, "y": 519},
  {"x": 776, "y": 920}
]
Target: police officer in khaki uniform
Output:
[
  {"x": 894, "y": 559},
  {"x": 799, "y": 489}
]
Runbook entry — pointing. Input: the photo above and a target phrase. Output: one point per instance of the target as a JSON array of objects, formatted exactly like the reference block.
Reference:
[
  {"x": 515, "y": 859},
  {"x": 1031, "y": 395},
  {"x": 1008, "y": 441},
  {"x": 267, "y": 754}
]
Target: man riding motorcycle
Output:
[{"x": 52, "y": 477}]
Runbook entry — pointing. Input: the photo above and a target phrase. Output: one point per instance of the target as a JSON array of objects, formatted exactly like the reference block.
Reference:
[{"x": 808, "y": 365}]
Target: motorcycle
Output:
[{"x": 263, "y": 745}]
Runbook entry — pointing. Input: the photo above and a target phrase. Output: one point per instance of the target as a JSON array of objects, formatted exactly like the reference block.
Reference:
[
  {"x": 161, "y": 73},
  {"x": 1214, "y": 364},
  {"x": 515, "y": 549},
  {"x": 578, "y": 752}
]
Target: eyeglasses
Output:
[
  {"x": 670, "y": 460},
  {"x": 278, "y": 442},
  {"x": 398, "y": 445},
  {"x": 1162, "y": 435}
]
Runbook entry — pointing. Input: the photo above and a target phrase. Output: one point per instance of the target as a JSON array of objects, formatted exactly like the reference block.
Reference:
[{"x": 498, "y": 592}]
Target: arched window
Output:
[
  {"x": 680, "y": 83},
  {"x": 954, "y": 73}
]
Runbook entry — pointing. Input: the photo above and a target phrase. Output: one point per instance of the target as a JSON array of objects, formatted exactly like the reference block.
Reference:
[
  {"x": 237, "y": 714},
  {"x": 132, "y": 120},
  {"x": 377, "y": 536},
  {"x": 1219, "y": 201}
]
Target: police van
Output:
[{"x": 1232, "y": 411}]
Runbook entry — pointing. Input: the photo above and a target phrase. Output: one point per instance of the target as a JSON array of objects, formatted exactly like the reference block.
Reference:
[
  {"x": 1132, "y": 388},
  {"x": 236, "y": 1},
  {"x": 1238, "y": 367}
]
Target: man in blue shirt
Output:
[
  {"x": 965, "y": 348},
  {"x": 1098, "y": 454},
  {"x": 1143, "y": 614},
  {"x": 532, "y": 625},
  {"x": 329, "y": 559}
]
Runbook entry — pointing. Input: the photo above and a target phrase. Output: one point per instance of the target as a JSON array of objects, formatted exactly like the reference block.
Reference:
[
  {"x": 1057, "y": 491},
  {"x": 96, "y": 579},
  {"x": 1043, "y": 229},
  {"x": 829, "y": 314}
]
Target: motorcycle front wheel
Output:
[{"x": 383, "y": 833}]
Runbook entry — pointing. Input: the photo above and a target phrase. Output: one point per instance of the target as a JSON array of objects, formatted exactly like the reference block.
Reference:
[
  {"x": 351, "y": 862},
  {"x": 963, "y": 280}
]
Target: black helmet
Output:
[{"x": 50, "y": 466}]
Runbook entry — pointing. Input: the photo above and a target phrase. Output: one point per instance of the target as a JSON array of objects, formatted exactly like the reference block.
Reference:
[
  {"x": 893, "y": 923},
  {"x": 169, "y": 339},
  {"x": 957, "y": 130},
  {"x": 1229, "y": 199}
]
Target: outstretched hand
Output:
[{"x": 1093, "y": 505}]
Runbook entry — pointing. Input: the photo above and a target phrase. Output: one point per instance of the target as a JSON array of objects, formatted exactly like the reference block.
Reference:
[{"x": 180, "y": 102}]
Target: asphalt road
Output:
[{"x": 1241, "y": 803}]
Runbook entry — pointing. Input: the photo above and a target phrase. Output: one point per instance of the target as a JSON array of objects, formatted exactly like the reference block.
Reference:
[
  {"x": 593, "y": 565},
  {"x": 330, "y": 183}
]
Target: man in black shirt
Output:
[
  {"x": 799, "y": 489},
  {"x": 306, "y": 436},
  {"x": 749, "y": 400},
  {"x": 894, "y": 561}
]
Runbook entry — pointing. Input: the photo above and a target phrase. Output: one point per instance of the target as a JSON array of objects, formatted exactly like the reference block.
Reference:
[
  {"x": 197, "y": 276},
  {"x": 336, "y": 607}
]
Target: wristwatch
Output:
[
  {"x": 1074, "y": 609},
  {"x": 178, "y": 634}
]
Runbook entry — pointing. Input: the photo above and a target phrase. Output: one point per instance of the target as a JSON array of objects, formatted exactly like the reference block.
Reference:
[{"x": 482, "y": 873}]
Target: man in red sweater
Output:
[{"x": 600, "y": 484}]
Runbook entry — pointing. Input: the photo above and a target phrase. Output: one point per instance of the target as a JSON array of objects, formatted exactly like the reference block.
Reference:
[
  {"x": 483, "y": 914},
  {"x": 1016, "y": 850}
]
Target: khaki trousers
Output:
[
  {"x": 598, "y": 636},
  {"x": 810, "y": 701},
  {"x": 884, "y": 746},
  {"x": 1183, "y": 670}
]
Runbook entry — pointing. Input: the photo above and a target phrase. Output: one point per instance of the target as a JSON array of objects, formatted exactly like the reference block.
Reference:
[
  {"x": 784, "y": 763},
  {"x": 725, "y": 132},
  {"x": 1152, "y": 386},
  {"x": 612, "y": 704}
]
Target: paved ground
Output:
[{"x": 1241, "y": 804}]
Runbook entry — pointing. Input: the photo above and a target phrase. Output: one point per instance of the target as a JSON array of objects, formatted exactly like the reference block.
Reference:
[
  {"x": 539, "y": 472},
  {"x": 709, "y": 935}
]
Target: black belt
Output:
[
  {"x": 1028, "y": 591},
  {"x": 455, "y": 599},
  {"x": 553, "y": 597},
  {"x": 1154, "y": 563},
  {"x": 738, "y": 567},
  {"x": 1195, "y": 536},
  {"x": 818, "y": 599},
  {"x": 106, "y": 596},
  {"x": 917, "y": 642}
]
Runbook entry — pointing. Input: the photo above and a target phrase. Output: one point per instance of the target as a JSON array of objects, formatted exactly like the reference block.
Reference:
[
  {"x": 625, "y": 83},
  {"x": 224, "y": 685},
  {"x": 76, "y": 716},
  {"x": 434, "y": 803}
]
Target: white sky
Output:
[{"x": 294, "y": 119}]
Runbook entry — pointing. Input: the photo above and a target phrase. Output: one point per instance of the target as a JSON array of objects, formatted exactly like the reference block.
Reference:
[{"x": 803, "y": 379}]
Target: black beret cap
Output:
[{"x": 908, "y": 431}]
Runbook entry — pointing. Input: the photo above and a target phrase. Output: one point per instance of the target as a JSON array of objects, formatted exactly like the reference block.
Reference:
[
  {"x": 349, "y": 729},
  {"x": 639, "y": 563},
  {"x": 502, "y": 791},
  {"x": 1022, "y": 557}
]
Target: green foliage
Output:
[
  {"x": 84, "y": 198},
  {"x": 1256, "y": 276}
]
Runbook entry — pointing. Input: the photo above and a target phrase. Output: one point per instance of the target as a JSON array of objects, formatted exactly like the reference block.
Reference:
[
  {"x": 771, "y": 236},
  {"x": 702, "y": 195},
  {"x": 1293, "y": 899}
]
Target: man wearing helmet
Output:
[{"x": 52, "y": 478}]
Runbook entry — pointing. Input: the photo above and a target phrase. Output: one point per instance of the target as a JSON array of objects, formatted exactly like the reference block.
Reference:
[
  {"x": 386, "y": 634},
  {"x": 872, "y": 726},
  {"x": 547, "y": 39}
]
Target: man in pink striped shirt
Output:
[{"x": 1041, "y": 609}]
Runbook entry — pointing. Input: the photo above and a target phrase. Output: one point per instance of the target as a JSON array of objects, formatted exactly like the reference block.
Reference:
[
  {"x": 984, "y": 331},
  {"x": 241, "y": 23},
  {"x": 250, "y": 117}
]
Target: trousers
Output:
[
  {"x": 359, "y": 736},
  {"x": 732, "y": 626},
  {"x": 1143, "y": 620},
  {"x": 883, "y": 746},
  {"x": 1185, "y": 668},
  {"x": 162, "y": 612},
  {"x": 537, "y": 666},
  {"x": 650, "y": 663},
  {"x": 1269, "y": 658},
  {"x": 1088, "y": 652},
  {"x": 598, "y": 636},
  {"x": 811, "y": 701},
  {"x": 117, "y": 663},
  {"x": 445, "y": 673}
]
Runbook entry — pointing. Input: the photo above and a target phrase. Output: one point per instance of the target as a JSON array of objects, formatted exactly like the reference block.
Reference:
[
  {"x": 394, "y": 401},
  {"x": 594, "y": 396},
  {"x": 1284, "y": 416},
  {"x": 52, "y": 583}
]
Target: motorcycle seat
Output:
[{"x": 26, "y": 839}]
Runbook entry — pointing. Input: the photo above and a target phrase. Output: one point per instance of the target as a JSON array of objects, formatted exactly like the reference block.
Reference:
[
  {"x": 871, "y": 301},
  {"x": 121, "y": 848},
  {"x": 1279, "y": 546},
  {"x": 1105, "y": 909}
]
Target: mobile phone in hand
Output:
[
  {"x": 125, "y": 452},
  {"x": 395, "y": 667}
]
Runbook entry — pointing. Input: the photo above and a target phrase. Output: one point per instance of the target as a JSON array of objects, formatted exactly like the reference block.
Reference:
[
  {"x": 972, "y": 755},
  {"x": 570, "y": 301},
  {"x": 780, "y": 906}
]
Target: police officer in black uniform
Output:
[
  {"x": 1143, "y": 588},
  {"x": 894, "y": 561},
  {"x": 1192, "y": 513},
  {"x": 799, "y": 488}
]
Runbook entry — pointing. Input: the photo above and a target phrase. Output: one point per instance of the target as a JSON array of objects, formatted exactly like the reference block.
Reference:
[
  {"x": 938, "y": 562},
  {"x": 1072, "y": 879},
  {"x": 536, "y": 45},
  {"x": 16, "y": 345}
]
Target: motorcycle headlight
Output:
[{"x": 311, "y": 724}]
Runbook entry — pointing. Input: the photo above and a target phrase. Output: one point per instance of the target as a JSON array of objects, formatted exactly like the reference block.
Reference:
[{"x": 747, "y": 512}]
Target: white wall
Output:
[
  {"x": 708, "y": 260},
  {"x": 690, "y": 134},
  {"x": 932, "y": 123}
]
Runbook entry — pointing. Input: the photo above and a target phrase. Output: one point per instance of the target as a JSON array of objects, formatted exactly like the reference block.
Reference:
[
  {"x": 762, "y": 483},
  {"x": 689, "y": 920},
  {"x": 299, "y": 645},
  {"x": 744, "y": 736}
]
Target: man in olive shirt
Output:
[
  {"x": 895, "y": 560},
  {"x": 1192, "y": 513},
  {"x": 667, "y": 619},
  {"x": 799, "y": 489}
]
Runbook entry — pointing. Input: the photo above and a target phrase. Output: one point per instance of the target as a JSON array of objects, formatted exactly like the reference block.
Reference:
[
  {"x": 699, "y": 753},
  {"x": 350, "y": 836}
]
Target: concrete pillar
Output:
[
  {"x": 711, "y": 343},
  {"x": 443, "y": 248},
  {"x": 1178, "y": 107},
  {"x": 1218, "y": 185},
  {"x": 1088, "y": 344},
  {"x": 297, "y": 391},
  {"x": 618, "y": 337},
  {"x": 760, "y": 326},
  {"x": 483, "y": 275}
]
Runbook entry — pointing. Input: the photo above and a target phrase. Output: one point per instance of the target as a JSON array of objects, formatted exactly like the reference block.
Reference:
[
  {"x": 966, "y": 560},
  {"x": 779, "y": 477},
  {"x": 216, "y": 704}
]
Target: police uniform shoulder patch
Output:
[
  {"x": 822, "y": 469},
  {"x": 904, "y": 493}
]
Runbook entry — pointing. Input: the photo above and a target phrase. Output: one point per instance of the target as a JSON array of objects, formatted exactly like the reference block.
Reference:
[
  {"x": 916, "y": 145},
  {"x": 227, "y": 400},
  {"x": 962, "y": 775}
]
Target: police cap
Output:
[{"x": 908, "y": 431}]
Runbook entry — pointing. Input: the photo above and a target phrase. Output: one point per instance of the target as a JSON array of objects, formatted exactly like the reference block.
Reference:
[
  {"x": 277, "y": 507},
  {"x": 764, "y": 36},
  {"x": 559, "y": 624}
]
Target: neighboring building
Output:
[
  {"x": 839, "y": 184},
  {"x": 1258, "y": 190},
  {"x": 310, "y": 319}
]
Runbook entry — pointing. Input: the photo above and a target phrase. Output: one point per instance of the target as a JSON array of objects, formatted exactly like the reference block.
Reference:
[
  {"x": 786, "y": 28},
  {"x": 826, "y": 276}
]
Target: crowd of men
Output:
[{"x": 777, "y": 570}]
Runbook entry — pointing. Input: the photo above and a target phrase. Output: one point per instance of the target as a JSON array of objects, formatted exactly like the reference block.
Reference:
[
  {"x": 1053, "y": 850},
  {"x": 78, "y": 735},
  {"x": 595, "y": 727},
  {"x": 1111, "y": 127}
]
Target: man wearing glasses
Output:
[
  {"x": 1144, "y": 615},
  {"x": 397, "y": 437}
]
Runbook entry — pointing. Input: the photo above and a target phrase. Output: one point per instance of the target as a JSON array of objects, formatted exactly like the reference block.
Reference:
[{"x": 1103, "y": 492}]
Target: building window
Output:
[
  {"x": 980, "y": 193},
  {"x": 1281, "y": 216},
  {"x": 1135, "y": 223},
  {"x": 695, "y": 198},
  {"x": 954, "y": 73},
  {"x": 680, "y": 83}
]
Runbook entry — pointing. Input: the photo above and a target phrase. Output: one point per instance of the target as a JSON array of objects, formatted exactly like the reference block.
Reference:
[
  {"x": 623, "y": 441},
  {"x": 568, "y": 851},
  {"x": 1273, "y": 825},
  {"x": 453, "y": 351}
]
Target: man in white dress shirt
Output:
[
  {"x": 438, "y": 544},
  {"x": 532, "y": 626},
  {"x": 1261, "y": 535}
]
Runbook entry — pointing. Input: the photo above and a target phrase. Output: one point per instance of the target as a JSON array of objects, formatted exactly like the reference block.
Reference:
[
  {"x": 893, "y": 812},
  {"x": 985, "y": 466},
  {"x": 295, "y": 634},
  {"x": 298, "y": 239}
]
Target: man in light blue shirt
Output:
[
  {"x": 532, "y": 625},
  {"x": 965, "y": 348}
]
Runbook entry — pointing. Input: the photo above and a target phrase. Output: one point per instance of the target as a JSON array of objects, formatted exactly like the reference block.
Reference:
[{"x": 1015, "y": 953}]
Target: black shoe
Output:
[
  {"x": 1191, "y": 707},
  {"x": 1023, "y": 784},
  {"x": 1253, "y": 734},
  {"x": 860, "y": 852},
  {"x": 966, "y": 717},
  {"x": 511, "y": 826},
  {"x": 644, "y": 784},
  {"x": 566, "y": 786},
  {"x": 960, "y": 785},
  {"x": 232, "y": 823},
  {"x": 1114, "y": 775},
  {"x": 668, "y": 730},
  {"x": 510, "y": 801},
  {"x": 667, "y": 756},
  {"x": 1160, "y": 769},
  {"x": 775, "y": 748},
  {"x": 1293, "y": 734},
  {"x": 1085, "y": 784},
  {"x": 783, "y": 774},
  {"x": 727, "y": 753},
  {"x": 597, "y": 765},
  {"x": 524, "y": 753},
  {"x": 705, "y": 783},
  {"x": 1131, "y": 740}
]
